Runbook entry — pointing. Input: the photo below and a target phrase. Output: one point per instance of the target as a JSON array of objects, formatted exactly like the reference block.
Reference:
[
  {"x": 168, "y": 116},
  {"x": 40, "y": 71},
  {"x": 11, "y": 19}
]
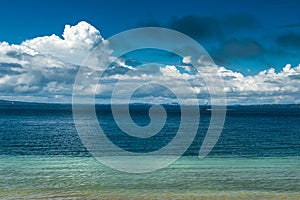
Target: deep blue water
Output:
[{"x": 249, "y": 131}]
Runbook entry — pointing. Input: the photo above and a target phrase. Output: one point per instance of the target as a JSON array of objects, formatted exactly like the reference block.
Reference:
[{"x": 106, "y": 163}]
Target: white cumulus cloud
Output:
[{"x": 73, "y": 47}]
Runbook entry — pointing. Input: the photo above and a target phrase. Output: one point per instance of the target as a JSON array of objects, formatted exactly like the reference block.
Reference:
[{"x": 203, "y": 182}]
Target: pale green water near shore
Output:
[{"x": 44, "y": 177}]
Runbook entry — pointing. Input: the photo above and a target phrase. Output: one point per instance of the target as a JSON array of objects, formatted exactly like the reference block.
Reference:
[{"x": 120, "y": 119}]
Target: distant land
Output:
[{"x": 9, "y": 102}]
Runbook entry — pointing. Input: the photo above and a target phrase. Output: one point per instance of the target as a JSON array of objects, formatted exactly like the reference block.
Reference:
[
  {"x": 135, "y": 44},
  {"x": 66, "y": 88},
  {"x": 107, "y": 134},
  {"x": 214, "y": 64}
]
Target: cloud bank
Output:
[
  {"x": 239, "y": 41},
  {"x": 44, "y": 69}
]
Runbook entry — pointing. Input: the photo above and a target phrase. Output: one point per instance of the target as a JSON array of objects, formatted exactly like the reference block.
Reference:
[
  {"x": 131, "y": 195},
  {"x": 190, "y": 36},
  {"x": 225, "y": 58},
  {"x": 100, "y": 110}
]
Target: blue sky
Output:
[{"x": 245, "y": 38}]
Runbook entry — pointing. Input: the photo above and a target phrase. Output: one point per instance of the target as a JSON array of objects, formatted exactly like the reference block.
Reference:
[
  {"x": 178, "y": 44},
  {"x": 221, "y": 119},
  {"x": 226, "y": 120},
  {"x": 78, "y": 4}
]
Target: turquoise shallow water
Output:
[{"x": 35, "y": 177}]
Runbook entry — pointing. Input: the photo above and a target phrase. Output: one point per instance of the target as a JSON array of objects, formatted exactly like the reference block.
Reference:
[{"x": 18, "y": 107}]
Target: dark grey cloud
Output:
[
  {"x": 14, "y": 54},
  {"x": 10, "y": 65},
  {"x": 296, "y": 25},
  {"x": 241, "y": 48},
  {"x": 207, "y": 27},
  {"x": 289, "y": 40},
  {"x": 236, "y": 49},
  {"x": 197, "y": 27},
  {"x": 58, "y": 74},
  {"x": 115, "y": 69},
  {"x": 228, "y": 77},
  {"x": 225, "y": 38},
  {"x": 295, "y": 77},
  {"x": 241, "y": 21},
  {"x": 9, "y": 68},
  {"x": 17, "y": 55}
]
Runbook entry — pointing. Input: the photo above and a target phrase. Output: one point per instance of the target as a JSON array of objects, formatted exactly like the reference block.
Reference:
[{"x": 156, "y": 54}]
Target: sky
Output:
[{"x": 255, "y": 43}]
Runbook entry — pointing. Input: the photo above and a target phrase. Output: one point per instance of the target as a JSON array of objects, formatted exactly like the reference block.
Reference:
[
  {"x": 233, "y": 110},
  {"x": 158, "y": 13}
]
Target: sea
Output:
[{"x": 257, "y": 155}]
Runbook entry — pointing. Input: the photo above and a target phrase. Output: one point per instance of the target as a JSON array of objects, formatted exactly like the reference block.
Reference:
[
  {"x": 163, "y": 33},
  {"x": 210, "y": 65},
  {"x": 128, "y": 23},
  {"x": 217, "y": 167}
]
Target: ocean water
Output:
[{"x": 256, "y": 157}]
